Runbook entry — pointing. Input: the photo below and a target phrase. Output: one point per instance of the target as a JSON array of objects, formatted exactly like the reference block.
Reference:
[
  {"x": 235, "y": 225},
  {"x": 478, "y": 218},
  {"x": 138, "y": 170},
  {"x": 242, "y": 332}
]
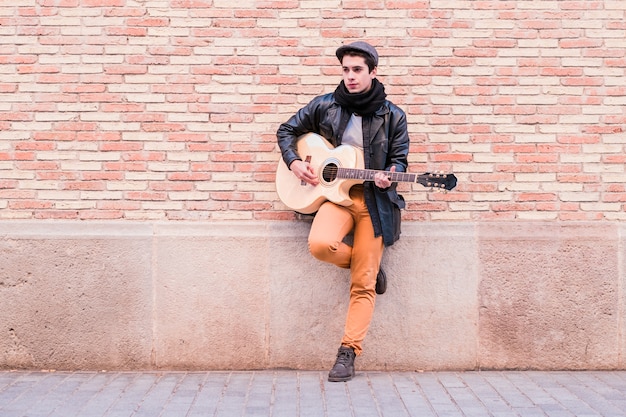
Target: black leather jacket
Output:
[{"x": 385, "y": 144}]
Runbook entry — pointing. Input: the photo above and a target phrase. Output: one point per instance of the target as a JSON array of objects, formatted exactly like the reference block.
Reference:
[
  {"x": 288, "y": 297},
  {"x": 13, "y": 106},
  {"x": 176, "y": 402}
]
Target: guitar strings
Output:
[{"x": 331, "y": 172}]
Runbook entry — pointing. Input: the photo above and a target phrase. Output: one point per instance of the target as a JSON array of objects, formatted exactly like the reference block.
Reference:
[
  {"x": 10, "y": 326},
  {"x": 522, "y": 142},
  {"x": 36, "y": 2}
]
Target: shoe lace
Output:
[{"x": 344, "y": 357}]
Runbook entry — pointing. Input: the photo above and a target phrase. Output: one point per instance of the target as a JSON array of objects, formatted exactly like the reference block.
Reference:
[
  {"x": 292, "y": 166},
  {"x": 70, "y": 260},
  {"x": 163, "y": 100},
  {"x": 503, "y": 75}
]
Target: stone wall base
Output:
[{"x": 247, "y": 295}]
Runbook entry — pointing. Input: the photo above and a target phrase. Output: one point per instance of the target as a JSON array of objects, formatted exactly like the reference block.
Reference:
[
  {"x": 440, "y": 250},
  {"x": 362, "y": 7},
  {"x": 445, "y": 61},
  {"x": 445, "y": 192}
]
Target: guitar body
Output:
[{"x": 306, "y": 198}]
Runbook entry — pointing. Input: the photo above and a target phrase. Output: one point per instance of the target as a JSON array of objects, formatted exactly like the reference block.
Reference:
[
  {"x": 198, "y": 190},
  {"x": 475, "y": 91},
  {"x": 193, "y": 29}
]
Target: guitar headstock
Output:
[{"x": 437, "y": 180}]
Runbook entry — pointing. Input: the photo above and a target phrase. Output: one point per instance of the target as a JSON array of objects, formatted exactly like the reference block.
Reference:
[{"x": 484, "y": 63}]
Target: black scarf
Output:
[{"x": 363, "y": 104}]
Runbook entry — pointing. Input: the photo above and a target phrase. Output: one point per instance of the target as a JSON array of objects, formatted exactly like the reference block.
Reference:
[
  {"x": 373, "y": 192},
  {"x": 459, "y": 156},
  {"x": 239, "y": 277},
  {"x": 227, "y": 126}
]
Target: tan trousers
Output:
[{"x": 331, "y": 224}]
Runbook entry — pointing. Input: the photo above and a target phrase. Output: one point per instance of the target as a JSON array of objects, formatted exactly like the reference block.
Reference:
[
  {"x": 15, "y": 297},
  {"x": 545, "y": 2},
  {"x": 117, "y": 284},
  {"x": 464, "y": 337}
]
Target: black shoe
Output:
[
  {"x": 343, "y": 370},
  {"x": 381, "y": 282}
]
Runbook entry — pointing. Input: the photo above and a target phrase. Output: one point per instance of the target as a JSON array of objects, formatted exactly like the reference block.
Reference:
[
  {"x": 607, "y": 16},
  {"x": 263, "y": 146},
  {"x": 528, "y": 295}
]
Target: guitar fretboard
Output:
[{"x": 368, "y": 175}]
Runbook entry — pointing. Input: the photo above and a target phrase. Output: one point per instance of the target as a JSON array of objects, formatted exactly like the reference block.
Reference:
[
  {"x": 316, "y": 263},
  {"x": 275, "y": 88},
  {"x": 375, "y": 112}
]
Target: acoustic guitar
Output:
[{"x": 338, "y": 169}]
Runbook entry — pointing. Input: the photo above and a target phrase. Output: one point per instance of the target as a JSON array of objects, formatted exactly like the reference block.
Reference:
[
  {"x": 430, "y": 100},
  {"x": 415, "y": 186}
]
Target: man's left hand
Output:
[{"x": 382, "y": 179}]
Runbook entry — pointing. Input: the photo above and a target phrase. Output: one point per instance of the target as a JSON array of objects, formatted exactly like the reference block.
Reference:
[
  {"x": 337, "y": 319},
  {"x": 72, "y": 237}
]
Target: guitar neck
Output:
[{"x": 368, "y": 175}]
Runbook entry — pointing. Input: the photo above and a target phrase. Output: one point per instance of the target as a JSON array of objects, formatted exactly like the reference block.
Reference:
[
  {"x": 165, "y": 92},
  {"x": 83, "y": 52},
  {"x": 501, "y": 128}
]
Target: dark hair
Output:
[{"x": 369, "y": 60}]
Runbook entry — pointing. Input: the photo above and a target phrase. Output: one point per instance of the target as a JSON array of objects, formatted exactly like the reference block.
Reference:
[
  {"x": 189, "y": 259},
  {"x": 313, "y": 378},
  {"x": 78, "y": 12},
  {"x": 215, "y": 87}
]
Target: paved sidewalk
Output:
[{"x": 308, "y": 394}]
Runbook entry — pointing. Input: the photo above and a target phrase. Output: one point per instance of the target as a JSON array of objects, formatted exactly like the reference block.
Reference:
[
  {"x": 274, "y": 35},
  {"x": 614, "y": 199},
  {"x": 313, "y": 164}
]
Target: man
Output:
[{"x": 357, "y": 114}]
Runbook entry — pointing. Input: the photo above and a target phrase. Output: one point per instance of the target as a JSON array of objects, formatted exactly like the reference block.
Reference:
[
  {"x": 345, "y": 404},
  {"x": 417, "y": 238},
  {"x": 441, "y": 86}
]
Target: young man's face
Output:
[{"x": 356, "y": 75}]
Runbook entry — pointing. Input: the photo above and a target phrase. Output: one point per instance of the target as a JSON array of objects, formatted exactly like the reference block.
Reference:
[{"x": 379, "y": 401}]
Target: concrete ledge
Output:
[
  {"x": 550, "y": 296},
  {"x": 247, "y": 295}
]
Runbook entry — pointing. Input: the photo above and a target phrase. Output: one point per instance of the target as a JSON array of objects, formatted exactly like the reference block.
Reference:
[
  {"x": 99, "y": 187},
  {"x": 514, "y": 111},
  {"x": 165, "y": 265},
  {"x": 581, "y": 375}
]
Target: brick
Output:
[{"x": 193, "y": 94}]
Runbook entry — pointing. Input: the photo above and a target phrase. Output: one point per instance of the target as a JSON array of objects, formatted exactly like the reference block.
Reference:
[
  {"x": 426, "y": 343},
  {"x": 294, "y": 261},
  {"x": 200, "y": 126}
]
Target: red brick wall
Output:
[{"x": 115, "y": 109}]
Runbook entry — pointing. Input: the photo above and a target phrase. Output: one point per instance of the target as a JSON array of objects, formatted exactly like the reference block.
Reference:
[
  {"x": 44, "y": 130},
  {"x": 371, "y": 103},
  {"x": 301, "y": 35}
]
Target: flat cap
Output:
[{"x": 358, "y": 46}]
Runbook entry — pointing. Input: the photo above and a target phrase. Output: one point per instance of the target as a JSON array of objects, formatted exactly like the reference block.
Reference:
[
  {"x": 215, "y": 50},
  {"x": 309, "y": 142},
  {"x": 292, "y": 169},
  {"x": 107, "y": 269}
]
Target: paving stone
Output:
[{"x": 309, "y": 394}]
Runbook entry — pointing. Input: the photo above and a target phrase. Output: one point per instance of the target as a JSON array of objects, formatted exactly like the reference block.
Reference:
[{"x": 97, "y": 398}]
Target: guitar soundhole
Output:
[{"x": 329, "y": 173}]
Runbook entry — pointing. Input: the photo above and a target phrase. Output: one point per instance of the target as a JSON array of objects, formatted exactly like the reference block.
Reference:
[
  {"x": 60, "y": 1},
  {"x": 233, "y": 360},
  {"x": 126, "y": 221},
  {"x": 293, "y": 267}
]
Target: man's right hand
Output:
[{"x": 304, "y": 172}]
